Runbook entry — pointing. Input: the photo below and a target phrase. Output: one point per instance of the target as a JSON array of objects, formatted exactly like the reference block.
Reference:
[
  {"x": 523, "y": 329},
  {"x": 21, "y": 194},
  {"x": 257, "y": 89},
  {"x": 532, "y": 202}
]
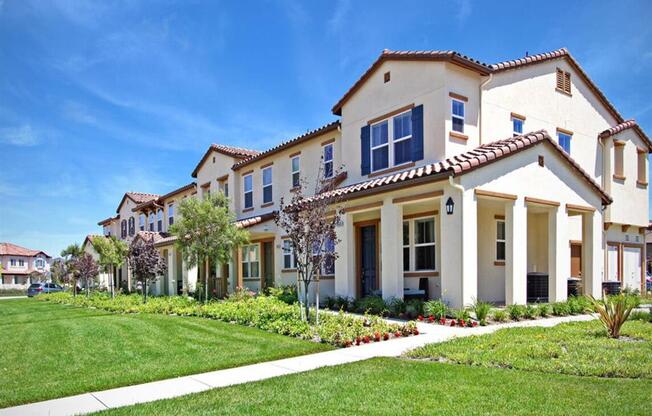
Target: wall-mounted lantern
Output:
[{"x": 450, "y": 206}]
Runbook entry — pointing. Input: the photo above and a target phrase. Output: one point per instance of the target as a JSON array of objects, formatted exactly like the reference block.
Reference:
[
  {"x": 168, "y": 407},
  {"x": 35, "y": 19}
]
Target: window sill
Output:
[
  {"x": 619, "y": 178},
  {"x": 248, "y": 209},
  {"x": 288, "y": 270},
  {"x": 390, "y": 170},
  {"x": 641, "y": 184},
  {"x": 458, "y": 136},
  {"x": 327, "y": 277},
  {"x": 267, "y": 204},
  {"x": 499, "y": 263},
  {"x": 563, "y": 92},
  {"x": 424, "y": 273}
]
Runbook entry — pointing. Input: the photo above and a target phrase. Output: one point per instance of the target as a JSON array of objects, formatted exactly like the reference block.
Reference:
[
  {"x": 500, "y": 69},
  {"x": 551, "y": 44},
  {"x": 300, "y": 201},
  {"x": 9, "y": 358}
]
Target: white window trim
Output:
[
  {"x": 245, "y": 192},
  {"x": 498, "y": 240},
  {"x": 514, "y": 132},
  {"x": 289, "y": 252},
  {"x": 245, "y": 259},
  {"x": 151, "y": 221},
  {"x": 295, "y": 172},
  {"x": 141, "y": 222},
  {"x": 269, "y": 185},
  {"x": 454, "y": 116},
  {"x": 413, "y": 245},
  {"x": 170, "y": 214},
  {"x": 570, "y": 140},
  {"x": 331, "y": 160},
  {"x": 390, "y": 142}
]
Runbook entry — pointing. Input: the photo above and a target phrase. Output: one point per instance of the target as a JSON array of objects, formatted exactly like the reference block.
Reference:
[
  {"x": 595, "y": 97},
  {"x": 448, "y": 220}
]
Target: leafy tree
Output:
[
  {"x": 113, "y": 253},
  {"x": 70, "y": 255},
  {"x": 309, "y": 220},
  {"x": 146, "y": 263},
  {"x": 58, "y": 271},
  {"x": 207, "y": 230},
  {"x": 87, "y": 270}
]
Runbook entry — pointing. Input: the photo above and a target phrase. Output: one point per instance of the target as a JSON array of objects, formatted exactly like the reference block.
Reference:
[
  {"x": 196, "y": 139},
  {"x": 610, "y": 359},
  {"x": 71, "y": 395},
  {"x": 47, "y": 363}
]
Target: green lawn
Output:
[
  {"x": 580, "y": 348},
  {"x": 390, "y": 386},
  {"x": 50, "y": 350}
]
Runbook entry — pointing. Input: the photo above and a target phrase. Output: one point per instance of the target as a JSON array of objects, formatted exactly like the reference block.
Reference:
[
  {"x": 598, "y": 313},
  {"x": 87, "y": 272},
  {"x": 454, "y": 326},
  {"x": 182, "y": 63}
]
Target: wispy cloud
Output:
[
  {"x": 78, "y": 113},
  {"x": 19, "y": 136},
  {"x": 464, "y": 10},
  {"x": 336, "y": 22}
]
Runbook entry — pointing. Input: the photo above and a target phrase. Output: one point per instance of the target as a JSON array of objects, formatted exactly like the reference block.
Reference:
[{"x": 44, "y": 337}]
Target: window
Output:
[
  {"x": 457, "y": 114},
  {"x": 328, "y": 263},
  {"x": 500, "y": 240},
  {"x": 402, "y": 138},
  {"x": 564, "y": 141},
  {"x": 385, "y": 153},
  {"x": 406, "y": 245},
  {"x": 21, "y": 263},
  {"x": 132, "y": 226},
  {"x": 170, "y": 214},
  {"x": 151, "y": 221},
  {"x": 225, "y": 189},
  {"x": 296, "y": 171},
  {"x": 159, "y": 220},
  {"x": 248, "y": 191},
  {"x": 563, "y": 81},
  {"x": 123, "y": 229},
  {"x": 379, "y": 146},
  {"x": 267, "y": 185},
  {"x": 107, "y": 230},
  {"x": 328, "y": 160},
  {"x": 250, "y": 262},
  {"x": 642, "y": 167},
  {"x": 12, "y": 262},
  {"x": 39, "y": 263},
  {"x": 289, "y": 261},
  {"x": 517, "y": 126},
  {"x": 141, "y": 222},
  {"x": 619, "y": 162}
]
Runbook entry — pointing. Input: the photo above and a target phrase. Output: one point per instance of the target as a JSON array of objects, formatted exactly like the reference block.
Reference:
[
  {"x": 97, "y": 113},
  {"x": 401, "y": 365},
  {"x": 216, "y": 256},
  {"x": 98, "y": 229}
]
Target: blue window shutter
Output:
[
  {"x": 365, "y": 150},
  {"x": 417, "y": 133}
]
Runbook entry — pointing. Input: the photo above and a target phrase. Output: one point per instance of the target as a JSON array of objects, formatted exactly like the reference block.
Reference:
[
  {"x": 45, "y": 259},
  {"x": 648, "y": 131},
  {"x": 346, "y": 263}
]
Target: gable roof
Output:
[
  {"x": 235, "y": 152},
  {"x": 333, "y": 125},
  {"x": 89, "y": 239},
  {"x": 161, "y": 199},
  {"x": 628, "y": 124},
  {"x": 433, "y": 55},
  {"x": 108, "y": 220},
  {"x": 461, "y": 164},
  {"x": 137, "y": 198},
  {"x": 9, "y": 249}
]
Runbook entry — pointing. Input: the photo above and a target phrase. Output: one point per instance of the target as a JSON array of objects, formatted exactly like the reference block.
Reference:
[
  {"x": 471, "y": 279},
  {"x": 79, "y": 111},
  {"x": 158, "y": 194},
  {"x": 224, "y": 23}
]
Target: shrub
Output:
[
  {"x": 461, "y": 314},
  {"x": 530, "y": 312},
  {"x": 578, "y": 305},
  {"x": 613, "y": 311},
  {"x": 374, "y": 305},
  {"x": 499, "y": 315},
  {"x": 240, "y": 294},
  {"x": 543, "y": 310},
  {"x": 342, "y": 303},
  {"x": 641, "y": 316},
  {"x": 287, "y": 294},
  {"x": 481, "y": 310},
  {"x": 396, "y": 306},
  {"x": 413, "y": 308},
  {"x": 516, "y": 312},
  {"x": 560, "y": 309},
  {"x": 436, "y": 308}
]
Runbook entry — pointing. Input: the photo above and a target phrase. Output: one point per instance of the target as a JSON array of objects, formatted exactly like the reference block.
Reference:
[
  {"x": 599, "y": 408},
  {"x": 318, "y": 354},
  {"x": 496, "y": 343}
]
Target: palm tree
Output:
[{"x": 71, "y": 254}]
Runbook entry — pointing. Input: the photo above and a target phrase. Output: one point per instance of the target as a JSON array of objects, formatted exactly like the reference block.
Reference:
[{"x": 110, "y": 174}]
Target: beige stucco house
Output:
[{"x": 463, "y": 180}]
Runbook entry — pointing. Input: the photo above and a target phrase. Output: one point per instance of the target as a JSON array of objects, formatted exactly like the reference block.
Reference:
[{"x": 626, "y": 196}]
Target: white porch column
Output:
[
  {"x": 459, "y": 248},
  {"x": 345, "y": 267},
  {"x": 516, "y": 252},
  {"x": 558, "y": 255},
  {"x": 391, "y": 250},
  {"x": 592, "y": 253}
]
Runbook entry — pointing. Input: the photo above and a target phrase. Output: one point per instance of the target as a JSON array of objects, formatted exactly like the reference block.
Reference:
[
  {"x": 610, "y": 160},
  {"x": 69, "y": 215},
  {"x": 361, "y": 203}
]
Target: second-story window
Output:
[
  {"x": 141, "y": 222},
  {"x": 457, "y": 115},
  {"x": 21, "y": 263},
  {"x": 12, "y": 262},
  {"x": 517, "y": 126},
  {"x": 641, "y": 167},
  {"x": 151, "y": 221},
  {"x": 132, "y": 226},
  {"x": 391, "y": 142},
  {"x": 402, "y": 138},
  {"x": 564, "y": 140},
  {"x": 225, "y": 189},
  {"x": 619, "y": 160},
  {"x": 123, "y": 229},
  {"x": 328, "y": 160},
  {"x": 248, "y": 191},
  {"x": 159, "y": 220},
  {"x": 267, "y": 185},
  {"x": 380, "y": 146},
  {"x": 170, "y": 214},
  {"x": 296, "y": 171},
  {"x": 39, "y": 263}
]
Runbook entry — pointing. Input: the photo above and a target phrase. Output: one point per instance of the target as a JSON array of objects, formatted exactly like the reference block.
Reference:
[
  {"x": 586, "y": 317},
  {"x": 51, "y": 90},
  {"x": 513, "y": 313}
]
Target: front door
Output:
[
  {"x": 268, "y": 264},
  {"x": 632, "y": 267},
  {"x": 576, "y": 260},
  {"x": 368, "y": 260}
]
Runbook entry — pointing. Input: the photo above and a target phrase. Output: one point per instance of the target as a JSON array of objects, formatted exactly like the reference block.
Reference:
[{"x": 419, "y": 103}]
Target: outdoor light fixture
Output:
[{"x": 450, "y": 205}]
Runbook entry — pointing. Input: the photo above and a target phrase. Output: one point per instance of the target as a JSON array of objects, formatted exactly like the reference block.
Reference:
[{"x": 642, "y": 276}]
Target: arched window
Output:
[
  {"x": 159, "y": 220},
  {"x": 132, "y": 226}
]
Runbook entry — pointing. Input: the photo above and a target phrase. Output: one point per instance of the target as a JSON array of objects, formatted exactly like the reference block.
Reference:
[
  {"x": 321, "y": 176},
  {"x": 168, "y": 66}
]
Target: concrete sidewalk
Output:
[
  {"x": 12, "y": 297},
  {"x": 175, "y": 387}
]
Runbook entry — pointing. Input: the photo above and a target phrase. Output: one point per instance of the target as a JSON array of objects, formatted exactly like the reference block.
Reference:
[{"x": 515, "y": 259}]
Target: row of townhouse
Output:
[
  {"x": 19, "y": 264},
  {"x": 504, "y": 182}
]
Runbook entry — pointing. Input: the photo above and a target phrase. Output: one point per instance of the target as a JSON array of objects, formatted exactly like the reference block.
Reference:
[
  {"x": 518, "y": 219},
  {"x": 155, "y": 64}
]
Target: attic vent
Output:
[
  {"x": 563, "y": 81},
  {"x": 541, "y": 161},
  {"x": 387, "y": 76}
]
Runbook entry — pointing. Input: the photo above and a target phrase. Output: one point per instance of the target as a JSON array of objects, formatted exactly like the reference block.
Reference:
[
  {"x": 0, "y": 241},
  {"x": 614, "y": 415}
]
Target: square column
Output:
[
  {"x": 459, "y": 248},
  {"x": 516, "y": 252},
  {"x": 391, "y": 250},
  {"x": 558, "y": 255},
  {"x": 345, "y": 267},
  {"x": 592, "y": 253}
]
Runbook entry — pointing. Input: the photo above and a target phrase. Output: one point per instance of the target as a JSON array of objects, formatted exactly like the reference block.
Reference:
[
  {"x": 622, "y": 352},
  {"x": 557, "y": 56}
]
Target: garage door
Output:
[{"x": 632, "y": 267}]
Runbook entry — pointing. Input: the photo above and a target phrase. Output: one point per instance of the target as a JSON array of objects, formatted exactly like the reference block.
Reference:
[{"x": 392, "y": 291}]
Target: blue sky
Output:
[{"x": 100, "y": 98}]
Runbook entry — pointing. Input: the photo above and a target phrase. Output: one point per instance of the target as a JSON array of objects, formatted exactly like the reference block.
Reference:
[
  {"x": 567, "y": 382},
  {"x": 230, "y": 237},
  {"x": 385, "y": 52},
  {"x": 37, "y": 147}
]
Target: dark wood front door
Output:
[
  {"x": 268, "y": 264},
  {"x": 368, "y": 260},
  {"x": 576, "y": 260}
]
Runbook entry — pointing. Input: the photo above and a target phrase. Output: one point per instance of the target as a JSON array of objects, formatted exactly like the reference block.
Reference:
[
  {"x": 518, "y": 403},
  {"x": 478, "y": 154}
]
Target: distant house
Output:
[{"x": 20, "y": 264}]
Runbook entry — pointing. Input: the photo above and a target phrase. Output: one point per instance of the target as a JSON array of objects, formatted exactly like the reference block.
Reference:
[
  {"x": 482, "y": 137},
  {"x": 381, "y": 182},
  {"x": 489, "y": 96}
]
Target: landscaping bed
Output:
[
  {"x": 263, "y": 312},
  {"x": 12, "y": 292}
]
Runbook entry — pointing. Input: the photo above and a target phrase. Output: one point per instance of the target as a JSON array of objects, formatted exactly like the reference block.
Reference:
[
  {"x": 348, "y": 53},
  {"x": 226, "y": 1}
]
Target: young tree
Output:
[
  {"x": 113, "y": 253},
  {"x": 309, "y": 220},
  {"x": 87, "y": 270},
  {"x": 207, "y": 230},
  {"x": 58, "y": 271},
  {"x": 70, "y": 255},
  {"x": 145, "y": 262}
]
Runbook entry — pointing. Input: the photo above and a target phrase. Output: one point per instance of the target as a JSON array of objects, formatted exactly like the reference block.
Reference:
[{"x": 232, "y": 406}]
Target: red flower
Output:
[
  {"x": 357, "y": 340},
  {"x": 474, "y": 324},
  {"x": 453, "y": 323},
  {"x": 420, "y": 318},
  {"x": 462, "y": 322},
  {"x": 442, "y": 321},
  {"x": 431, "y": 318},
  {"x": 415, "y": 332},
  {"x": 367, "y": 339},
  {"x": 385, "y": 336},
  {"x": 397, "y": 334}
]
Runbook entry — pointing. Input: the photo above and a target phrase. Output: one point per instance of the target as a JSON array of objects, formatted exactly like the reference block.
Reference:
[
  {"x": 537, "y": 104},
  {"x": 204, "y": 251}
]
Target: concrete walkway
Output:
[
  {"x": 175, "y": 387},
  {"x": 12, "y": 297}
]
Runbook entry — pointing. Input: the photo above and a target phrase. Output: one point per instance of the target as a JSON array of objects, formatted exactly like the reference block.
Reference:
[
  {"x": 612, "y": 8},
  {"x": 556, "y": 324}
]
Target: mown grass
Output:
[
  {"x": 390, "y": 386},
  {"x": 580, "y": 348},
  {"x": 50, "y": 350}
]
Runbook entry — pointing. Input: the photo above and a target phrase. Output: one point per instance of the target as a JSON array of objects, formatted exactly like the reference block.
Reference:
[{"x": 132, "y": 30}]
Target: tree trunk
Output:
[
  {"x": 207, "y": 267},
  {"x": 306, "y": 305},
  {"x": 144, "y": 290}
]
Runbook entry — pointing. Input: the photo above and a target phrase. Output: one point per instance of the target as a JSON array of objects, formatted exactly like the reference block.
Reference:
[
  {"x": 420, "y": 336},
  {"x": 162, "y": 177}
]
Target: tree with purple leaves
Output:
[
  {"x": 87, "y": 270},
  {"x": 145, "y": 262}
]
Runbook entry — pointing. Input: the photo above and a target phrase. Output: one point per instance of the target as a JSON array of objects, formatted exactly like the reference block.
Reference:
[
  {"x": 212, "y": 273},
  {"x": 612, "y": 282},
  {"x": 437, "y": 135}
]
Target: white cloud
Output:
[
  {"x": 464, "y": 10},
  {"x": 19, "y": 136},
  {"x": 78, "y": 113}
]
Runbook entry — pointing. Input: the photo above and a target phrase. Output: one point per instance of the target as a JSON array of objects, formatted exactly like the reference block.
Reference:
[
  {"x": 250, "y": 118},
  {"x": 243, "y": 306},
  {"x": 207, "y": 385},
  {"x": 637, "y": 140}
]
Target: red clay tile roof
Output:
[
  {"x": 160, "y": 200},
  {"x": 251, "y": 221},
  {"x": 108, "y": 220},
  {"x": 236, "y": 152},
  {"x": 628, "y": 124},
  {"x": 137, "y": 197},
  {"x": 461, "y": 164},
  {"x": 450, "y": 56},
  {"x": 9, "y": 249},
  {"x": 333, "y": 125},
  {"x": 154, "y": 236}
]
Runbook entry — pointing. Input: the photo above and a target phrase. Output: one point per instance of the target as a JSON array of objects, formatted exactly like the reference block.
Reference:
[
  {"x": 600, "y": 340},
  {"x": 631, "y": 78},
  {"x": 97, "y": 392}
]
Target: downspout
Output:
[
  {"x": 459, "y": 187},
  {"x": 604, "y": 209},
  {"x": 482, "y": 85}
]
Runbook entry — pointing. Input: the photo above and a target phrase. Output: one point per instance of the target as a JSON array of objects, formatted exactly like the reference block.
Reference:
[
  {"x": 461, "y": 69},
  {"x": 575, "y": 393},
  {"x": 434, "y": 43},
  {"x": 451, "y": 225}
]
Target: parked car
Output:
[{"x": 38, "y": 288}]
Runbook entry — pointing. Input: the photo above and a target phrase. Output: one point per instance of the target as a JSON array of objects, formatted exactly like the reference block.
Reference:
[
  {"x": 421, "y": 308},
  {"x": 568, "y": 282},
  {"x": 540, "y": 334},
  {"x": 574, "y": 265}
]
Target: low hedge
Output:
[{"x": 264, "y": 312}]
